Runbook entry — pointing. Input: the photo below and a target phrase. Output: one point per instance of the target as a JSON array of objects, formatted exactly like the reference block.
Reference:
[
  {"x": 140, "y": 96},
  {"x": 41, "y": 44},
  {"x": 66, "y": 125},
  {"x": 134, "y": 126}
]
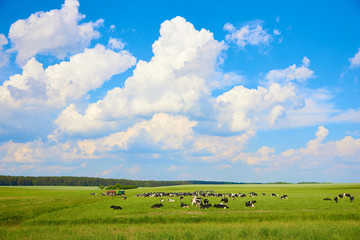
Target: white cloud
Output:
[
  {"x": 317, "y": 152},
  {"x": 4, "y": 57},
  {"x": 260, "y": 156},
  {"x": 253, "y": 35},
  {"x": 66, "y": 81},
  {"x": 300, "y": 74},
  {"x": 277, "y": 32},
  {"x": 355, "y": 61},
  {"x": 241, "y": 108},
  {"x": 174, "y": 168},
  {"x": 116, "y": 44},
  {"x": 84, "y": 72},
  {"x": 163, "y": 131},
  {"x": 57, "y": 32},
  {"x": 218, "y": 148},
  {"x": 173, "y": 81},
  {"x": 20, "y": 152}
]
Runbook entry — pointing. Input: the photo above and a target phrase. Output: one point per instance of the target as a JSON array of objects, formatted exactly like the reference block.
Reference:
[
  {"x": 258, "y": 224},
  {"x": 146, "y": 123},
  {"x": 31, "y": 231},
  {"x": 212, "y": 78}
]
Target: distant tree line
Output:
[
  {"x": 118, "y": 186},
  {"x": 92, "y": 181}
]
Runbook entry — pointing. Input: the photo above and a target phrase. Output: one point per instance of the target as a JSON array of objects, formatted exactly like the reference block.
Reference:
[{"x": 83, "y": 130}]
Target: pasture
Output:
[{"x": 73, "y": 213}]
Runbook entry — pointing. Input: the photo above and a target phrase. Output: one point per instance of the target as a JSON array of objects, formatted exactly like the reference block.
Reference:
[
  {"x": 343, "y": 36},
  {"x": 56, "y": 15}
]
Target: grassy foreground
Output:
[{"x": 72, "y": 213}]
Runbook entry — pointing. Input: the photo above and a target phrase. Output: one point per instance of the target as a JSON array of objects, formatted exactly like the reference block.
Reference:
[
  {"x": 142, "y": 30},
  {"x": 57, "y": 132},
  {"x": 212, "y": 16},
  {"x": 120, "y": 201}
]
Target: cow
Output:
[
  {"x": 103, "y": 194},
  {"x": 183, "y": 205},
  {"x": 158, "y": 205},
  {"x": 252, "y": 194},
  {"x": 284, "y": 196},
  {"x": 225, "y": 200},
  {"x": 115, "y": 207},
  {"x": 181, "y": 198},
  {"x": 336, "y": 199},
  {"x": 273, "y": 195},
  {"x": 250, "y": 204},
  {"x": 205, "y": 206},
  {"x": 220, "y": 206},
  {"x": 206, "y": 201},
  {"x": 124, "y": 198},
  {"x": 327, "y": 199},
  {"x": 93, "y": 193},
  {"x": 196, "y": 201},
  {"x": 171, "y": 200},
  {"x": 351, "y": 198},
  {"x": 263, "y": 194}
]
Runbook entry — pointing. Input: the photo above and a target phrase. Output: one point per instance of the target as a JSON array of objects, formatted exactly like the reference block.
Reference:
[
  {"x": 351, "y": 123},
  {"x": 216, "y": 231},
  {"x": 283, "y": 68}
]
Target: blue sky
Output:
[{"x": 178, "y": 90}]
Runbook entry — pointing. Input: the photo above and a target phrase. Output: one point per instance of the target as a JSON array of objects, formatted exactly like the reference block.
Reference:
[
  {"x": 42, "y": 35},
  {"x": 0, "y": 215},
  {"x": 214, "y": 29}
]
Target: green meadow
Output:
[{"x": 73, "y": 213}]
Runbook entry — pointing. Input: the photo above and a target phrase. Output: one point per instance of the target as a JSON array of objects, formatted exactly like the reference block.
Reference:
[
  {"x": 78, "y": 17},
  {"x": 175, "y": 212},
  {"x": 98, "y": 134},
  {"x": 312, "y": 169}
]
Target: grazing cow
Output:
[
  {"x": 205, "y": 206},
  {"x": 273, "y": 195},
  {"x": 115, "y": 207},
  {"x": 341, "y": 195},
  {"x": 206, "y": 201},
  {"x": 161, "y": 200},
  {"x": 327, "y": 199},
  {"x": 225, "y": 200},
  {"x": 284, "y": 196},
  {"x": 124, "y": 198},
  {"x": 181, "y": 198},
  {"x": 250, "y": 204},
  {"x": 184, "y": 205},
  {"x": 263, "y": 194},
  {"x": 252, "y": 194},
  {"x": 335, "y": 199},
  {"x": 347, "y": 195},
  {"x": 93, "y": 193},
  {"x": 351, "y": 198},
  {"x": 171, "y": 200},
  {"x": 103, "y": 194},
  {"x": 158, "y": 205},
  {"x": 196, "y": 201},
  {"x": 220, "y": 206}
]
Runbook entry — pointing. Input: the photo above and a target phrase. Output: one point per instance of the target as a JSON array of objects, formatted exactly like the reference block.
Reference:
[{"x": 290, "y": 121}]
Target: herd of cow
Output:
[
  {"x": 341, "y": 195},
  {"x": 199, "y": 199}
]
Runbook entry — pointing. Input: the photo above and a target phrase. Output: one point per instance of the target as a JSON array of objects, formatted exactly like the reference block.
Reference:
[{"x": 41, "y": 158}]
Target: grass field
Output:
[{"x": 72, "y": 213}]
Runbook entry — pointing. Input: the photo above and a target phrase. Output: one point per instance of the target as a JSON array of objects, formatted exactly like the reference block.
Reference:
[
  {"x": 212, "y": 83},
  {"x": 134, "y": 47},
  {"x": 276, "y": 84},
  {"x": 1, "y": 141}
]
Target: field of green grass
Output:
[{"x": 72, "y": 213}]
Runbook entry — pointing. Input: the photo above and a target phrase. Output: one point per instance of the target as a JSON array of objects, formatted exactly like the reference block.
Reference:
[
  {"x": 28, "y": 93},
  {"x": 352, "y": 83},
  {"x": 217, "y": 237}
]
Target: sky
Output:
[{"x": 242, "y": 91}]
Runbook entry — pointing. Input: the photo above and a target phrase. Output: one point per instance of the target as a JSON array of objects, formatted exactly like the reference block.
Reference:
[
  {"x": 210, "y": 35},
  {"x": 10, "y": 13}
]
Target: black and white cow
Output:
[
  {"x": 158, "y": 205},
  {"x": 183, "y": 205},
  {"x": 225, "y": 200},
  {"x": 273, "y": 195},
  {"x": 329, "y": 199},
  {"x": 250, "y": 204},
  {"x": 205, "y": 206},
  {"x": 351, "y": 198},
  {"x": 220, "y": 206},
  {"x": 115, "y": 207},
  {"x": 335, "y": 199},
  {"x": 93, "y": 194},
  {"x": 284, "y": 196}
]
